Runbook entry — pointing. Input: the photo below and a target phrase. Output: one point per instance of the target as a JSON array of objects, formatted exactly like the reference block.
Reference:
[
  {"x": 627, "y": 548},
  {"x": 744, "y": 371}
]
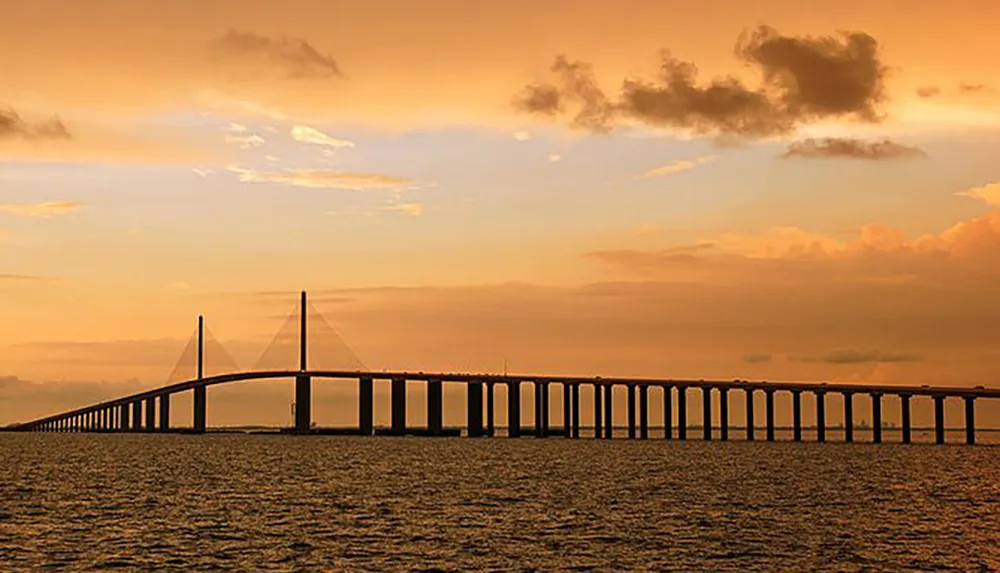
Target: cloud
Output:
[
  {"x": 522, "y": 135},
  {"x": 928, "y": 92},
  {"x": 804, "y": 79},
  {"x": 12, "y": 125},
  {"x": 965, "y": 88},
  {"x": 837, "y": 147},
  {"x": 306, "y": 134},
  {"x": 855, "y": 356},
  {"x": 676, "y": 167},
  {"x": 203, "y": 173},
  {"x": 555, "y": 157},
  {"x": 413, "y": 209},
  {"x": 298, "y": 58},
  {"x": 49, "y": 209},
  {"x": 648, "y": 229},
  {"x": 988, "y": 193},
  {"x": 756, "y": 358},
  {"x": 323, "y": 178}
]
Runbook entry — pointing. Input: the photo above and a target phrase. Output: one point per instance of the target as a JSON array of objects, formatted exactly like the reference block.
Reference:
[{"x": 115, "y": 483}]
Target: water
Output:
[{"x": 279, "y": 503}]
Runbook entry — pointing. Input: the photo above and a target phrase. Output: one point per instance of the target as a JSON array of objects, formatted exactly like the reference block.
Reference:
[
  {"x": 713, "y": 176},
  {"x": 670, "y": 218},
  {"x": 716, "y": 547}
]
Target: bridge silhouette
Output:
[{"x": 149, "y": 411}]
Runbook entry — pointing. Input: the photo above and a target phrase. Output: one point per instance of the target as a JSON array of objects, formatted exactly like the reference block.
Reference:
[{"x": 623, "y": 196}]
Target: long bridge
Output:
[{"x": 149, "y": 411}]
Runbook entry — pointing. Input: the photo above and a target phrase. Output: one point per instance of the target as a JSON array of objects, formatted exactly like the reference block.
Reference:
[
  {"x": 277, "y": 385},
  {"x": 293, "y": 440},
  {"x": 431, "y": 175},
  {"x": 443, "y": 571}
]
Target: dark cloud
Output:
[
  {"x": 972, "y": 88},
  {"x": 928, "y": 92},
  {"x": 576, "y": 85},
  {"x": 12, "y": 125},
  {"x": 756, "y": 358},
  {"x": 298, "y": 57},
  {"x": 855, "y": 356},
  {"x": 836, "y": 147},
  {"x": 803, "y": 79}
]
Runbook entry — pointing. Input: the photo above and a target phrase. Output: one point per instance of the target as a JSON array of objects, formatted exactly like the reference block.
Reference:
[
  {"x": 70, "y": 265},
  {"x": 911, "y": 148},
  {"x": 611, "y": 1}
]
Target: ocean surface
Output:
[{"x": 76, "y": 502}]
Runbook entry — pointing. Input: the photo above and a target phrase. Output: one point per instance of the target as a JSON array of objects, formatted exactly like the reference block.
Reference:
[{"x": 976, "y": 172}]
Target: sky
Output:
[{"x": 721, "y": 189}]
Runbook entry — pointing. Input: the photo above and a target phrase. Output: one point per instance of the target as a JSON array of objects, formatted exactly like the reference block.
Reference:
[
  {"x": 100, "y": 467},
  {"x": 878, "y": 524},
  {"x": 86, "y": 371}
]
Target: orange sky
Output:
[{"x": 163, "y": 162}]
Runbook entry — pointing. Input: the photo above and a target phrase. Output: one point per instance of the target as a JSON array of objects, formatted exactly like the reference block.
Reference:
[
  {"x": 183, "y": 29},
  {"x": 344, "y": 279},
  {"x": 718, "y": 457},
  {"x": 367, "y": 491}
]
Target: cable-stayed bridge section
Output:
[{"x": 149, "y": 411}]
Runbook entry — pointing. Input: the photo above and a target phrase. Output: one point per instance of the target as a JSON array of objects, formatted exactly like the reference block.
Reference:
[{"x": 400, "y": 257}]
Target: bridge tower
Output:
[
  {"x": 200, "y": 397},
  {"x": 303, "y": 382}
]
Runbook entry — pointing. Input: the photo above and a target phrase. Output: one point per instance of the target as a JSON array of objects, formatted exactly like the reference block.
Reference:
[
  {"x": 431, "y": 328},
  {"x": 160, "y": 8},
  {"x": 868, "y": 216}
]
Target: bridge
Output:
[{"x": 149, "y": 411}]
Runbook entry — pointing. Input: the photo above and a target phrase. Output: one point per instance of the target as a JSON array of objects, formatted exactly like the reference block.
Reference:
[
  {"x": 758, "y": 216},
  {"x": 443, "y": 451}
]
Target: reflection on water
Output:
[{"x": 279, "y": 503}]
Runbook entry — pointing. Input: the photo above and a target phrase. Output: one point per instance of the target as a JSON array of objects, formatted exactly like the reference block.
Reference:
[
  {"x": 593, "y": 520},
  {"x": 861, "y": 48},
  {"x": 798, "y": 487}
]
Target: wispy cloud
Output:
[
  {"x": 988, "y": 193},
  {"x": 12, "y": 125},
  {"x": 298, "y": 58},
  {"x": 240, "y": 136},
  {"x": 846, "y": 148},
  {"x": 676, "y": 167},
  {"x": 555, "y": 157},
  {"x": 306, "y": 134},
  {"x": 323, "y": 178},
  {"x": 522, "y": 135},
  {"x": 48, "y": 209},
  {"x": 413, "y": 209}
]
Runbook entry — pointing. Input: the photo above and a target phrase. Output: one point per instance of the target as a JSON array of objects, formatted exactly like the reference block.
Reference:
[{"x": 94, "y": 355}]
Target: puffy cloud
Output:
[
  {"x": 988, "y": 193},
  {"x": 12, "y": 125},
  {"x": 306, "y": 134},
  {"x": 676, "y": 167},
  {"x": 838, "y": 147},
  {"x": 298, "y": 58},
  {"x": 323, "y": 178},
  {"x": 804, "y": 79},
  {"x": 48, "y": 209}
]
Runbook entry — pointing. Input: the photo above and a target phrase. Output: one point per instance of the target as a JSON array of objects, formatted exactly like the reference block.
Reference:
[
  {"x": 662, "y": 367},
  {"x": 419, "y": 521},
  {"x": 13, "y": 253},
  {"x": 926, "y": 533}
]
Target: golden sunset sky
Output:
[{"x": 779, "y": 190}]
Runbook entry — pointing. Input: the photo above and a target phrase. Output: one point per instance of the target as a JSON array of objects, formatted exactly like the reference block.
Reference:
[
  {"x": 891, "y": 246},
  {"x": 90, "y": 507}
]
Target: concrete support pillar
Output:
[
  {"x": 797, "y": 415},
  {"x": 366, "y": 406},
  {"x": 939, "y": 419},
  {"x": 848, "y": 417},
  {"x": 904, "y": 403},
  {"x": 474, "y": 409},
  {"x": 970, "y": 419},
  {"x": 576, "y": 410},
  {"x": 435, "y": 420},
  {"x": 769, "y": 413},
  {"x": 668, "y": 413},
  {"x": 102, "y": 421},
  {"x": 630, "y": 389},
  {"x": 537, "y": 389},
  {"x": 749, "y": 393},
  {"x": 164, "y": 412},
  {"x": 820, "y": 416},
  {"x": 644, "y": 412},
  {"x": 723, "y": 414},
  {"x": 303, "y": 403},
  {"x": 682, "y": 413},
  {"x": 706, "y": 413},
  {"x": 598, "y": 410},
  {"x": 398, "y": 406},
  {"x": 489, "y": 409},
  {"x": 567, "y": 411},
  {"x": 137, "y": 415},
  {"x": 609, "y": 425},
  {"x": 514, "y": 408},
  {"x": 150, "y": 414},
  {"x": 545, "y": 409},
  {"x": 200, "y": 415},
  {"x": 876, "y": 418}
]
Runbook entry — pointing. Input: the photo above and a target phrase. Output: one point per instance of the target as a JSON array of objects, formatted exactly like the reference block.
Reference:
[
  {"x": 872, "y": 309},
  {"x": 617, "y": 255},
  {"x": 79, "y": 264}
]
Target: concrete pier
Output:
[
  {"x": 514, "y": 408},
  {"x": 123, "y": 421},
  {"x": 750, "y": 422},
  {"x": 970, "y": 419},
  {"x": 164, "y": 412},
  {"x": 682, "y": 413},
  {"x": 366, "y": 406},
  {"x": 200, "y": 407},
  {"x": 545, "y": 409},
  {"x": 150, "y": 414},
  {"x": 938, "y": 419},
  {"x": 537, "y": 389},
  {"x": 643, "y": 412},
  {"x": 598, "y": 410},
  {"x": 769, "y": 413},
  {"x": 474, "y": 409},
  {"x": 490, "y": 427},
  {"x": 876, "y": 417},
  {"x": 609, "y": 425},
  {"x": 904, "y": 405},
  {"x": 303, "y": 404},
  {"x": 630, "y": 390},
  {"x": 567, "y": 415},
  {"x": 435, "y": 419},
  {"x": 398, "y": 406},
  {"x": 797, "y": 415},
  {"x": 576, "y": 410},
  {"x": 723, "y": 414},
  {"x": 706, "y": 413},
  {"x": 848, "y": 417},
  {"x": 820, "y": 416},
  {"x": 137, "y": 416},
  {"x": 668, "y": 413}
]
